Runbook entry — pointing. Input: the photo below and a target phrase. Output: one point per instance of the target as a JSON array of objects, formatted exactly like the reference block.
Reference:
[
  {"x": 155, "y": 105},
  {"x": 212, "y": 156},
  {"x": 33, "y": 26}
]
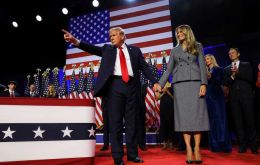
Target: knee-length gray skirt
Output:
[{"x": 190, "y": 110}]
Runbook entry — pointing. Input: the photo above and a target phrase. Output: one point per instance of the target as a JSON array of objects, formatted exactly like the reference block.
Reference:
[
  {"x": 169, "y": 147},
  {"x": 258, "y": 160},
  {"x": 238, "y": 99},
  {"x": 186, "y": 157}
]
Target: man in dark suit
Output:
[
  {"x": 10, "y": 92},
  {"x": 119, "y": 81},
  {"x": 239, "y": 79},
  {"x": 32, "y": 91}
]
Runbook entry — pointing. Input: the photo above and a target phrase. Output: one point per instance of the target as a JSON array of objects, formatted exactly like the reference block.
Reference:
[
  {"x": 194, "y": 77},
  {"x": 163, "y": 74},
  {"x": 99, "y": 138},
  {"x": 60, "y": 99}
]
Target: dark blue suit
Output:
[{"x": 122, "y": 98}]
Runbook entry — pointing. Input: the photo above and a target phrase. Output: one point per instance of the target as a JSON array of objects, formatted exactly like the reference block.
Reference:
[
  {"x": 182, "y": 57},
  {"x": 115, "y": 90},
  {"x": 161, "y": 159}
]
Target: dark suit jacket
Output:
[
  {"x": 108, "y": 54},
  {"x": 28, "y": 95},
  {"x": 242, "y": 85},
  {"x": 7, "y": 94}
]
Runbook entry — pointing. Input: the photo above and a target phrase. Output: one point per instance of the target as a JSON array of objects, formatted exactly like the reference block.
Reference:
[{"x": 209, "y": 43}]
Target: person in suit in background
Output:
[
  {"x": 239, "y": 80},
  {"x": 141, "y": 130},
  {"x": 11, "y": 91},
  {"x": 187, "y": 66},
  {"x": 119, "y": 80},
  {"x": 32, "y": 91},
  {"x": 219, "y": 139},
  {"x": 167, "y": 117}
]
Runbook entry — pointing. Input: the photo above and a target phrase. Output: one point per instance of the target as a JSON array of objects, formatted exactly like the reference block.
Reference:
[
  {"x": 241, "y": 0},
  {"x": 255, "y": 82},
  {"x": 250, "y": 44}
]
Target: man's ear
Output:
[{"x": 238, "y": 54}]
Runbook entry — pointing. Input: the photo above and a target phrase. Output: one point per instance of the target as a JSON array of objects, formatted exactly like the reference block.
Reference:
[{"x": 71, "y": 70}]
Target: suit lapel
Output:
[{"x": 113, "y": 53}]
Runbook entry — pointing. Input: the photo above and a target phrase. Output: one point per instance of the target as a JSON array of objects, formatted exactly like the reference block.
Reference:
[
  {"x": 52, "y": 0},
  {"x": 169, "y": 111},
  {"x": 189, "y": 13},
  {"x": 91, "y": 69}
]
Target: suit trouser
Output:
[
  {"x": 106, "y": 122},
  {"x": 121, "y": 103},
  {"x": 244, "y": 121},
  {"x": 141, "y": 124}
]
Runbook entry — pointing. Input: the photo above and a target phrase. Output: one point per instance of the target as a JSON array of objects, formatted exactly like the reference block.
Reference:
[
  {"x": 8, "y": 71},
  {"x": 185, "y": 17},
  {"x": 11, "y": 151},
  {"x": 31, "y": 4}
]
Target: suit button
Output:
[{"x": 188, "y": 64}]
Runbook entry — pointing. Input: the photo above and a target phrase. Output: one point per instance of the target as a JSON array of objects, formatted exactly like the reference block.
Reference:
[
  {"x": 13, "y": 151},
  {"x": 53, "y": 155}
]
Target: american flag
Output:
[
  {"x": 46, "y": 82},
  {"x": 63, "y": 87},
  {"x": 73, "y": 88},
  {"x": 89, "y": 90},
  {"x": 147, "y": 25},
  {"x": 82, "y": 93},
  {"x": 40, "y": 132},
  {"x": 27, "y": 90},
  {"x": 55, "y": 80},
  {"x": 164, "y": 63},
  {"x": 37, "y": 81}
]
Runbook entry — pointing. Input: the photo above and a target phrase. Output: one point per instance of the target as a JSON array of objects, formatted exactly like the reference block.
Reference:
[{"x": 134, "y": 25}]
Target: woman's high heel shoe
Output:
[
  {"x": 197, "y": 156},
  {"x": 197, "y": 161},
  {"x": 189, "y": 161}
]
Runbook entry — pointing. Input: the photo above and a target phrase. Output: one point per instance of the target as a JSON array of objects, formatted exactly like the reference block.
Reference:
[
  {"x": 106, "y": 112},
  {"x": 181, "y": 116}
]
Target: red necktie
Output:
[{"x": 125, "y": 76}]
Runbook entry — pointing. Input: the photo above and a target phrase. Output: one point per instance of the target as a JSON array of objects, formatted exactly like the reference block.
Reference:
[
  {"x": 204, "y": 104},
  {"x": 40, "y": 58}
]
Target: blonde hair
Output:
[
  {"x": 213, "y": 59},
  {"x": 120, "y": 30},
  {"x": 189, "y": 37},
  {"x": 51, "y": 91}
]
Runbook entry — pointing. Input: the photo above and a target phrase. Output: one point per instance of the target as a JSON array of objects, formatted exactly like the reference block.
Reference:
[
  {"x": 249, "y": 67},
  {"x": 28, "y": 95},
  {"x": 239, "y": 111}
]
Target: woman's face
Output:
[
  {"x": 180, "y": 35},
  {"x": 208, "y": 60}
]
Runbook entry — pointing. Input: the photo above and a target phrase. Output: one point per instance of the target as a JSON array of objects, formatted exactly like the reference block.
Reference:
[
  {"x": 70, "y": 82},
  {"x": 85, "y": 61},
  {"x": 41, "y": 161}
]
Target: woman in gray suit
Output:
[{"x": 187, "y": 66}]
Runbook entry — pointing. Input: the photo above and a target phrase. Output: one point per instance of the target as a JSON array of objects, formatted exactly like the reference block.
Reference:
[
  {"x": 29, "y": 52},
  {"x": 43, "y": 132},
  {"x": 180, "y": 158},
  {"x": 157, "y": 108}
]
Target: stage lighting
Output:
[
  {"x": 15, "y": 24},
  {"x": 65, "y": 11},
  {"x": 95, "y": 3},
  {"x": 38, "y": 18}
]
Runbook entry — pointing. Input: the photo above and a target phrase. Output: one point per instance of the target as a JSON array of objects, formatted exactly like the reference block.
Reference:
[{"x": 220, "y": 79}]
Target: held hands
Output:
[
  {"x": 202, "y": 90},
  {"x": 68, "y": 37},
  {"x": 157, "y": 89}
]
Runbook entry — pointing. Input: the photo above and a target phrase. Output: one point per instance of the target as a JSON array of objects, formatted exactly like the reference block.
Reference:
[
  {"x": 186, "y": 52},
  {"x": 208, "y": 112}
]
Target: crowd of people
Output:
[{"x": 196, "y": 100}]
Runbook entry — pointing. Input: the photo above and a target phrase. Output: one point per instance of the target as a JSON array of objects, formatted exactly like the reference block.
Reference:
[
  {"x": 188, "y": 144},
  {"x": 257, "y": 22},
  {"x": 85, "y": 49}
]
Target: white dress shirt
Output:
[
  {"x": 117, "y": 68},
  {"x": 237, "y": 63}
]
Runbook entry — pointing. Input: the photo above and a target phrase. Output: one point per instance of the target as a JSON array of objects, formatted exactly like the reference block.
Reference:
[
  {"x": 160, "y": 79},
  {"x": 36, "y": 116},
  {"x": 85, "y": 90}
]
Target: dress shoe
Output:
[
  {"x": 104, "y": 148},
  {"x": 242, "y": 149},
  {"x": 189, "y": 161},
  {"x": 197, "y": 161},
  {"x": 119, "y": 162},
  {"x": 254, "y": 150},
  {"x": 135, "y": 160},
  {"x": 143, "y": 148}
]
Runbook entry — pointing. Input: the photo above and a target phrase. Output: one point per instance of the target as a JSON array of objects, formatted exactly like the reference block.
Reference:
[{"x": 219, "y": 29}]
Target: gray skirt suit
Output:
[{"x": 189, "y": 73}]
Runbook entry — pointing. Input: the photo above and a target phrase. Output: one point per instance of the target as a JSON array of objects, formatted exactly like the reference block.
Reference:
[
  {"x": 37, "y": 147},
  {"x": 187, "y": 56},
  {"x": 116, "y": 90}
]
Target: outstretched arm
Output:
[{"x": 68, "y": 37}]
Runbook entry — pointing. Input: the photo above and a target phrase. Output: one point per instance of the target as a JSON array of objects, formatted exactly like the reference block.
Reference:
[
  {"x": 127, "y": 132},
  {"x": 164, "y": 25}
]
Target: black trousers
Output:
[
  {"x": 141, "y": 131},
  {"x": 122, "y": 104},
  {"x": 244, "y": 121},
  {"x": 106, "y": 121}
]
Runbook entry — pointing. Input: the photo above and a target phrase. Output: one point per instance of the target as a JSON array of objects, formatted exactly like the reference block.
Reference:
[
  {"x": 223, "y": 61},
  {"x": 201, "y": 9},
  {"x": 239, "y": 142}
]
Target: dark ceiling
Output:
[{"x": 40, "y": 44}]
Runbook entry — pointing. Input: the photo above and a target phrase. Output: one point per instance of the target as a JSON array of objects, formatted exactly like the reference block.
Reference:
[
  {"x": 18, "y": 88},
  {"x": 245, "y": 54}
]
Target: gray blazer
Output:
[{"x": 185, "y": 66}]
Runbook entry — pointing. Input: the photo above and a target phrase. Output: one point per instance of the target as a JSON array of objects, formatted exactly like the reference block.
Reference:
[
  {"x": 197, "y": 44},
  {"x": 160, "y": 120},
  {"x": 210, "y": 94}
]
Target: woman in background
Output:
[
  {"x": 51, "y": 93},
  {"x": 219, "y": 139}
]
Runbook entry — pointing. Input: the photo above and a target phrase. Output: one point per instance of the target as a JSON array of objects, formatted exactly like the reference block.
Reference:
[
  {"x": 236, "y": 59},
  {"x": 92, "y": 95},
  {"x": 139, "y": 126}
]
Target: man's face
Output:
[
  {"x": 116, "y": 38},
  {"x": 12, "y": 86},
  {"x": 233, "y": 55},
  {"x": 32, "y": 87}
]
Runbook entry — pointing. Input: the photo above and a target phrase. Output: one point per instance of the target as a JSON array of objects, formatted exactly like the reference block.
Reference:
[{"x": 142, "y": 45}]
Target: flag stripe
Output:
[
  {"x": 139, "y": 13},
  {"x": 69, "y": 161},
  {"x": 140, "y": 19},
  {"x": 77, "y": 114},
  {"x": 137, "y": 7},
  {"x": 144, "y": 23},
  {"x": 47, "y": 150}
]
